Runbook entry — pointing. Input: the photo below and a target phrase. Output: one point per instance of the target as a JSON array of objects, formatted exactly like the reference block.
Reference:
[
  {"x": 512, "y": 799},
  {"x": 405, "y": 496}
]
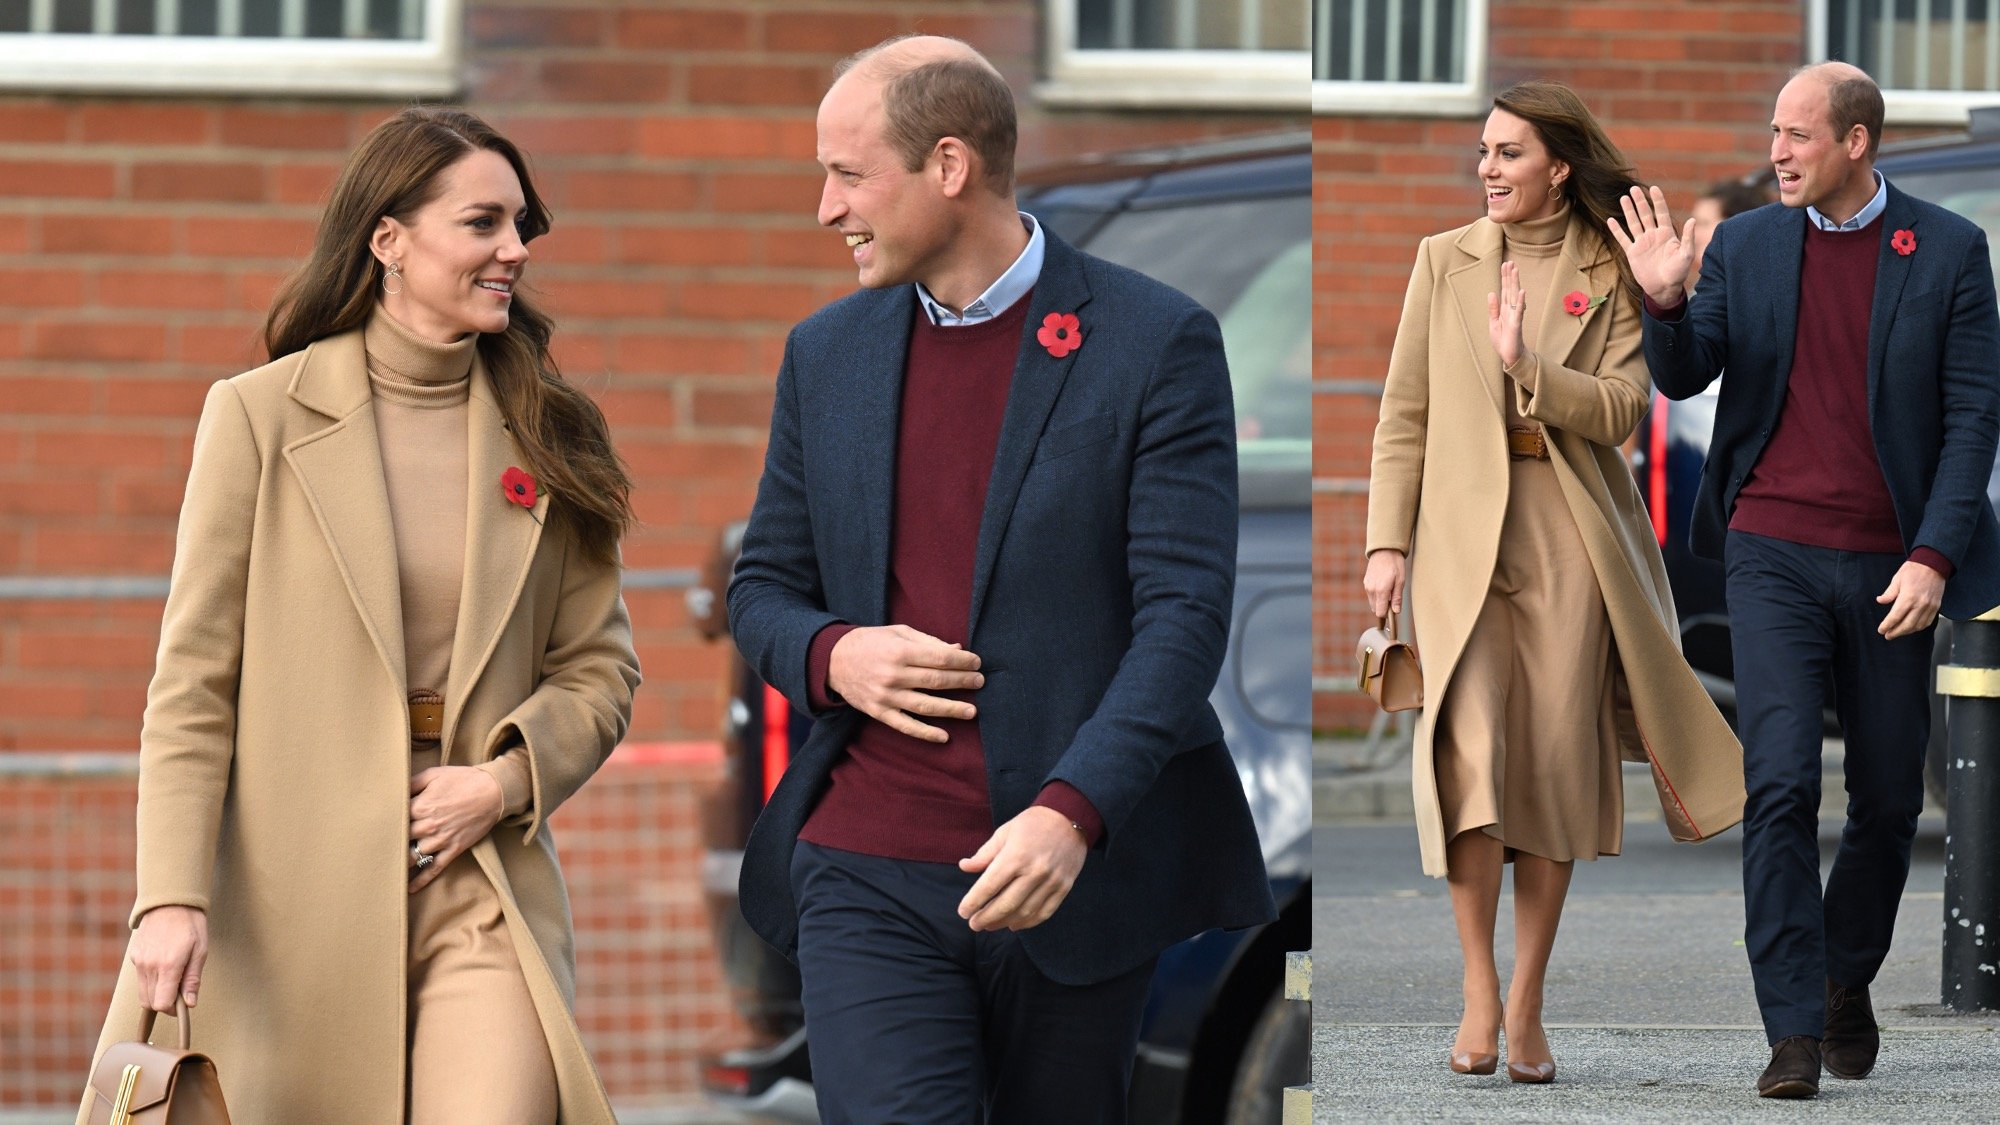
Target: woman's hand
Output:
[
  {"x": 169, "y": 949},
  {"x": 1387, "y": 572},
  {"x": 451, "y": 809},
  {"x": 1660, "y": 258},
  {"x": 1503, "y": 315}
]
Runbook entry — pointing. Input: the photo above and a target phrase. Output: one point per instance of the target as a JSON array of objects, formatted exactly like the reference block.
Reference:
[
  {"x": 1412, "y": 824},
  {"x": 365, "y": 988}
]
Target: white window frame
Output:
[
  {"x": 1126, "y": 78},
  {"x": 1902, "y": 107},
  {"x": 1414, "y": 99},
  {"x": 184, "y": 64}
]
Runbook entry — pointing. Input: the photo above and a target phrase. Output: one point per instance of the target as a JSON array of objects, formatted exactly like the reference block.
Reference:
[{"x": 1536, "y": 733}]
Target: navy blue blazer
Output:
[
  {"x": 1100, "y": 607},
  {"x": 1933, "y": 376}
]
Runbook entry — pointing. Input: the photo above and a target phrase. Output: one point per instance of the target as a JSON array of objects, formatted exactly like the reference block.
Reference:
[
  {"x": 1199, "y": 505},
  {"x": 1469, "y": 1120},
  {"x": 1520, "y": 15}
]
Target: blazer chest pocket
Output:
[
  {"x": 1920, "y": 310},
  {"x": 1075, "y": 436}
]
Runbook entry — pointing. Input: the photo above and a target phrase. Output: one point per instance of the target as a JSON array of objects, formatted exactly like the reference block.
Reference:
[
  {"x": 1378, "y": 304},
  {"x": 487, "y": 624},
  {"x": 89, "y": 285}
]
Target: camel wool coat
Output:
[
  {"x": 1438, "y": 491},
  {"x": 275, "y": 761}
]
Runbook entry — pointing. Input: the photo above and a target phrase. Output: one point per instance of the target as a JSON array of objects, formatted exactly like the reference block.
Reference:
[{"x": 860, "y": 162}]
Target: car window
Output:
[
  {"x": 1970, "y": 192},
  {"x": 1250, "y": 263}
]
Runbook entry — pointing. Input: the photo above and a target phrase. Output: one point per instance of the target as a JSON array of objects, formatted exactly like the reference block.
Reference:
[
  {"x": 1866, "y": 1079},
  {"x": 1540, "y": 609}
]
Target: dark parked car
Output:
[
  {"x": 1228, "y": 223},
  {"x": 1960, "y": 172}
]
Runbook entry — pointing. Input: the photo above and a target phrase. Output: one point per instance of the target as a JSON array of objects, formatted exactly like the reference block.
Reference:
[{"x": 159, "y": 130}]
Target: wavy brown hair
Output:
[
  {"x": 1599, "y": 175},
  {"x": 561, "y": 432}
]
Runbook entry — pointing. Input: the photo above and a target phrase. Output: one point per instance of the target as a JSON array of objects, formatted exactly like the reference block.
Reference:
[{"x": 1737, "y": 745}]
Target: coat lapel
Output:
[
  {"x": 340, "y": 470},
  {"x": 1788, "y": 251},
  {"x": 1558, "y": 331},
  {"x": 1038, "y": 381},
  {"x": 877, "y": 346},
  {"x": 1470, "y": 283},
  {"x": 500, "y": 542},
  {"x": 1892, "y": 272}
]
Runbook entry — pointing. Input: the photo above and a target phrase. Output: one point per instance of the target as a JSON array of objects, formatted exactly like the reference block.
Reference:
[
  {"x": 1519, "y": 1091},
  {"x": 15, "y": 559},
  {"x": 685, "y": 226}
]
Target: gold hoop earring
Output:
[
  {"x": 395, "y": 274},
  {"x": 1555, "y": 189}
]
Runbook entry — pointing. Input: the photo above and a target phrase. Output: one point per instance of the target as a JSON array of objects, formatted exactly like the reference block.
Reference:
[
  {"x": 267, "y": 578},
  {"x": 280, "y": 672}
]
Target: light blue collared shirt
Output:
[
  {"x": 1862, "y": 217},
  {"x": 999, "y": 296}
]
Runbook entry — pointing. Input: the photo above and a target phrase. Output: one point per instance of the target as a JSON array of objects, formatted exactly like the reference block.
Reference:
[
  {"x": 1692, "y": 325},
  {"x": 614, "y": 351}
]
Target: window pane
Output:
[
  {"x": 317, "y": 19},
  {"x": 1942, "y": 45},
  {"x": 1190, "y": 25},
  {"x": 1249, "y": 263},
  {"x": 1388, "y": 40}
]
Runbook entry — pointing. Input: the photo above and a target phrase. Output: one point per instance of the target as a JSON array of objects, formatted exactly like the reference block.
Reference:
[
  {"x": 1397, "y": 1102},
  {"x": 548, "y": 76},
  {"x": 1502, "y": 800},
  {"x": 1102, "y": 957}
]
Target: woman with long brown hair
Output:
[
  {"x": 1547, "y": 631},
  {"x": 394, "y": 644}
]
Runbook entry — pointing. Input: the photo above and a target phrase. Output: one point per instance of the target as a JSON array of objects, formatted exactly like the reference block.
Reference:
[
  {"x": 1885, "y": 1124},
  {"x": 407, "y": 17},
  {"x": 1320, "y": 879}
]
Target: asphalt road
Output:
[{"x": 1649, "y": 1003}]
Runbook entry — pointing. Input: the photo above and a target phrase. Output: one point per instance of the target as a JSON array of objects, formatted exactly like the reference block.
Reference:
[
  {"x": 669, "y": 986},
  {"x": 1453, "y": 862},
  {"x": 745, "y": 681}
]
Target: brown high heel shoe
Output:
[
  {"x": 1531, "y": 1072},
  {"x": 1465, "y": 1062}
]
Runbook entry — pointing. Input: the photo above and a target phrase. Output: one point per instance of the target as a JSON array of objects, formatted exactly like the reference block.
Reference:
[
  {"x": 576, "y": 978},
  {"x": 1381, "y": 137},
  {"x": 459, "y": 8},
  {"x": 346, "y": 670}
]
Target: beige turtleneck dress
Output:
[
  {"x": 1526, "y": 745},
  {"x": 477, "y": 1050}
]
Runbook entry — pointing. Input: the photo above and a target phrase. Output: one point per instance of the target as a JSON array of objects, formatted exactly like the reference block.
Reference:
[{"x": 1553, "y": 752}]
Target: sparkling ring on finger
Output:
[{"x": 423, "y": 860}]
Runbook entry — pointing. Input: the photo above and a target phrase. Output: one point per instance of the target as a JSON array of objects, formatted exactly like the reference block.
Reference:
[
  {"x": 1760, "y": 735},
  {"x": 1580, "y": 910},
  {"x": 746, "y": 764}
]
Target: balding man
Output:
[
  {"x": 992, "y": 554},
  {"x": 1845, "y": 492}
]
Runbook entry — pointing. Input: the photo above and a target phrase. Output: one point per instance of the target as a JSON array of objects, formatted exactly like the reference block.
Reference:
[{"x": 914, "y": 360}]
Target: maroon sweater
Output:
[
  {"x": 1818, "y": 480},
  {"x": 893, "y": 795}
]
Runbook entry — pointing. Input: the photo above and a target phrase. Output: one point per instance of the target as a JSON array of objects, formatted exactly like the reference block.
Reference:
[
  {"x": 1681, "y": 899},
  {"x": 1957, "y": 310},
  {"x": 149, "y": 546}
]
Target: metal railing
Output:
[
  {"x": 1176, "y": 25},
  {"x": 287, "y": 19},
  {"x": 1931, "y": 45},
  {"x": 1374, "y": 40}
]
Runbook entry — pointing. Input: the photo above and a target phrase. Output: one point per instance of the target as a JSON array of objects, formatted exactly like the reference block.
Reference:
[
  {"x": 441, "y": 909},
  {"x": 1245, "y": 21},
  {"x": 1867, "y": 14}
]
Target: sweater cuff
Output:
[
  {"x": 1068, "y": 800},
  {"x": 510, "y": 769},
  {"x": 819, "y": 659},
  {"x": 1934, "y": 560},
  {"x": 1663, "y": 314}
]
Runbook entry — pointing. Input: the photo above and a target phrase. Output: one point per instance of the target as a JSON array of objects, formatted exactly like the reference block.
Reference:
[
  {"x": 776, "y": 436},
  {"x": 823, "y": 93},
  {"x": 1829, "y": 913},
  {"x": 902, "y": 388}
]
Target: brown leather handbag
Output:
[
  {"x": 136, "y": 1083},
  {"x": 1388, "y": 667}
]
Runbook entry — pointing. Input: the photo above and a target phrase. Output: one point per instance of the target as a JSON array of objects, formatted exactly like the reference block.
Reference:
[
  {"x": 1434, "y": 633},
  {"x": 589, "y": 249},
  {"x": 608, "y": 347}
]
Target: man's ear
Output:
[
  {"x": 1857, "y": 142},
  {"x": 386, "y": 243},
  {"x": 952, "y": 160}
]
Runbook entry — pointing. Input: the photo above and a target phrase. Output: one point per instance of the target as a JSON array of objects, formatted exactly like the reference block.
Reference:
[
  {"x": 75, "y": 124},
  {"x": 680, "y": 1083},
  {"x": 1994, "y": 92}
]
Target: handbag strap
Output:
[
  {"x": 1388, "y": 625},
  {"x": 180, "y": 1017}
]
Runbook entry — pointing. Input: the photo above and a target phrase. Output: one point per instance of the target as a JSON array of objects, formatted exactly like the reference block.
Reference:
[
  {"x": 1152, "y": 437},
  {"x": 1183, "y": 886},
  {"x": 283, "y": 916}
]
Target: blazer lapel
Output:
[
  {"x": 1038, "y": 381},
  {"x": 1892, "y": 272},
  {"x": 1470, "y": 283},
  {"x": 1787, "y": 255},
  {"x": 862, "y": 440},
  {"x": 500, "y": 542},
  {"x": 340, "y": 470}
]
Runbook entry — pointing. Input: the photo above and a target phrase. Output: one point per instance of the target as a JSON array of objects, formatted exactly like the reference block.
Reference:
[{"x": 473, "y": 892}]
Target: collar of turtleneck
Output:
[
  {"x": 405, "y": 368},
  {"x": 1541, "y": 235}
]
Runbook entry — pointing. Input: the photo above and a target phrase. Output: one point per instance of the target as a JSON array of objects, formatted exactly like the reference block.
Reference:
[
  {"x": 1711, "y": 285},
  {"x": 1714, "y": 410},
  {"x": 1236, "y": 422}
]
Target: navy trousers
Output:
[
  {"x": 1802, "y": 618},
  {"x": 913, "y": 1019}
]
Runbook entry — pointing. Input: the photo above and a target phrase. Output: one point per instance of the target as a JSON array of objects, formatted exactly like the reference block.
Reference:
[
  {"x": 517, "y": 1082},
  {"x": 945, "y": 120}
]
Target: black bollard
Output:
[{"x": 1972, "y": 817}]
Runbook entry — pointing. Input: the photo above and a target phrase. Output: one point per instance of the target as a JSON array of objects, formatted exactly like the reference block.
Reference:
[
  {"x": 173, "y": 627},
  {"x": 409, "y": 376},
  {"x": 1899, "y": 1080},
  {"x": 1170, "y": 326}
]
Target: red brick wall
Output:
[
  {"x": 1684, "y": 87},
  {"x": 141, "y": 240}
]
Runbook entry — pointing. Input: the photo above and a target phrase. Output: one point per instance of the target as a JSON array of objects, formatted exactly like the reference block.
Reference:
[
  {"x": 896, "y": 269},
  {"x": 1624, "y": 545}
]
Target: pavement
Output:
[{"x": 1649, "y": 1005}]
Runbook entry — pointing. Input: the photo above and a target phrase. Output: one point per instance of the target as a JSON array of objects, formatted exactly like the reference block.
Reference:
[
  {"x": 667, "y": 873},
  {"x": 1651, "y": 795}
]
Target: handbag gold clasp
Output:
[
  {"x": 1361, "y": 684},
  {"x": 128, "y": 1083}
]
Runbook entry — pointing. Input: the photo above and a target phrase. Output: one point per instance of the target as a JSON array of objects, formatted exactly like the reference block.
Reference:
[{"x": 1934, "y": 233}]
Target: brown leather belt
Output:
[
  {"x": 1523, "y": 445},
  {"x": 426, "y": 717}
]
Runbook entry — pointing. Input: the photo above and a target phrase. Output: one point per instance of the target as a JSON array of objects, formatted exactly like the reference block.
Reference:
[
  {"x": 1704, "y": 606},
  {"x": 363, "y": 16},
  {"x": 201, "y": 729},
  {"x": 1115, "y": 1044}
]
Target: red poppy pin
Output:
[
  {"x": 1578, "y": 302},
  {"x": 519, "y": 488},
  {"x": 1904, "y": 242},
  {"x": 1061, "y": 333}
]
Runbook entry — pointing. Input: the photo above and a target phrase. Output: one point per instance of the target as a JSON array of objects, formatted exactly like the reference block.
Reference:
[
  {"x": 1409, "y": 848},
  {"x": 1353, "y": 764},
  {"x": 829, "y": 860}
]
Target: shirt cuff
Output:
[
  {"x": 1664, "y": 314},
  {"x": 1934, "y": 560},
  {"x": 819, "y": 659},
  {"x": 1068, "y": 800},
  {"x": 510, "y": 769}
]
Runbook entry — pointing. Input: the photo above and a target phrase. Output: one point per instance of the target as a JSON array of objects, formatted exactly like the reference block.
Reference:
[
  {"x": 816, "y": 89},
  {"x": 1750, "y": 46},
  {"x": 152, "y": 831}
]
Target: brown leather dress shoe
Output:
[
  {"x": 1852, "y": 1037},
  {"x": 1794, "y": 1069}
]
